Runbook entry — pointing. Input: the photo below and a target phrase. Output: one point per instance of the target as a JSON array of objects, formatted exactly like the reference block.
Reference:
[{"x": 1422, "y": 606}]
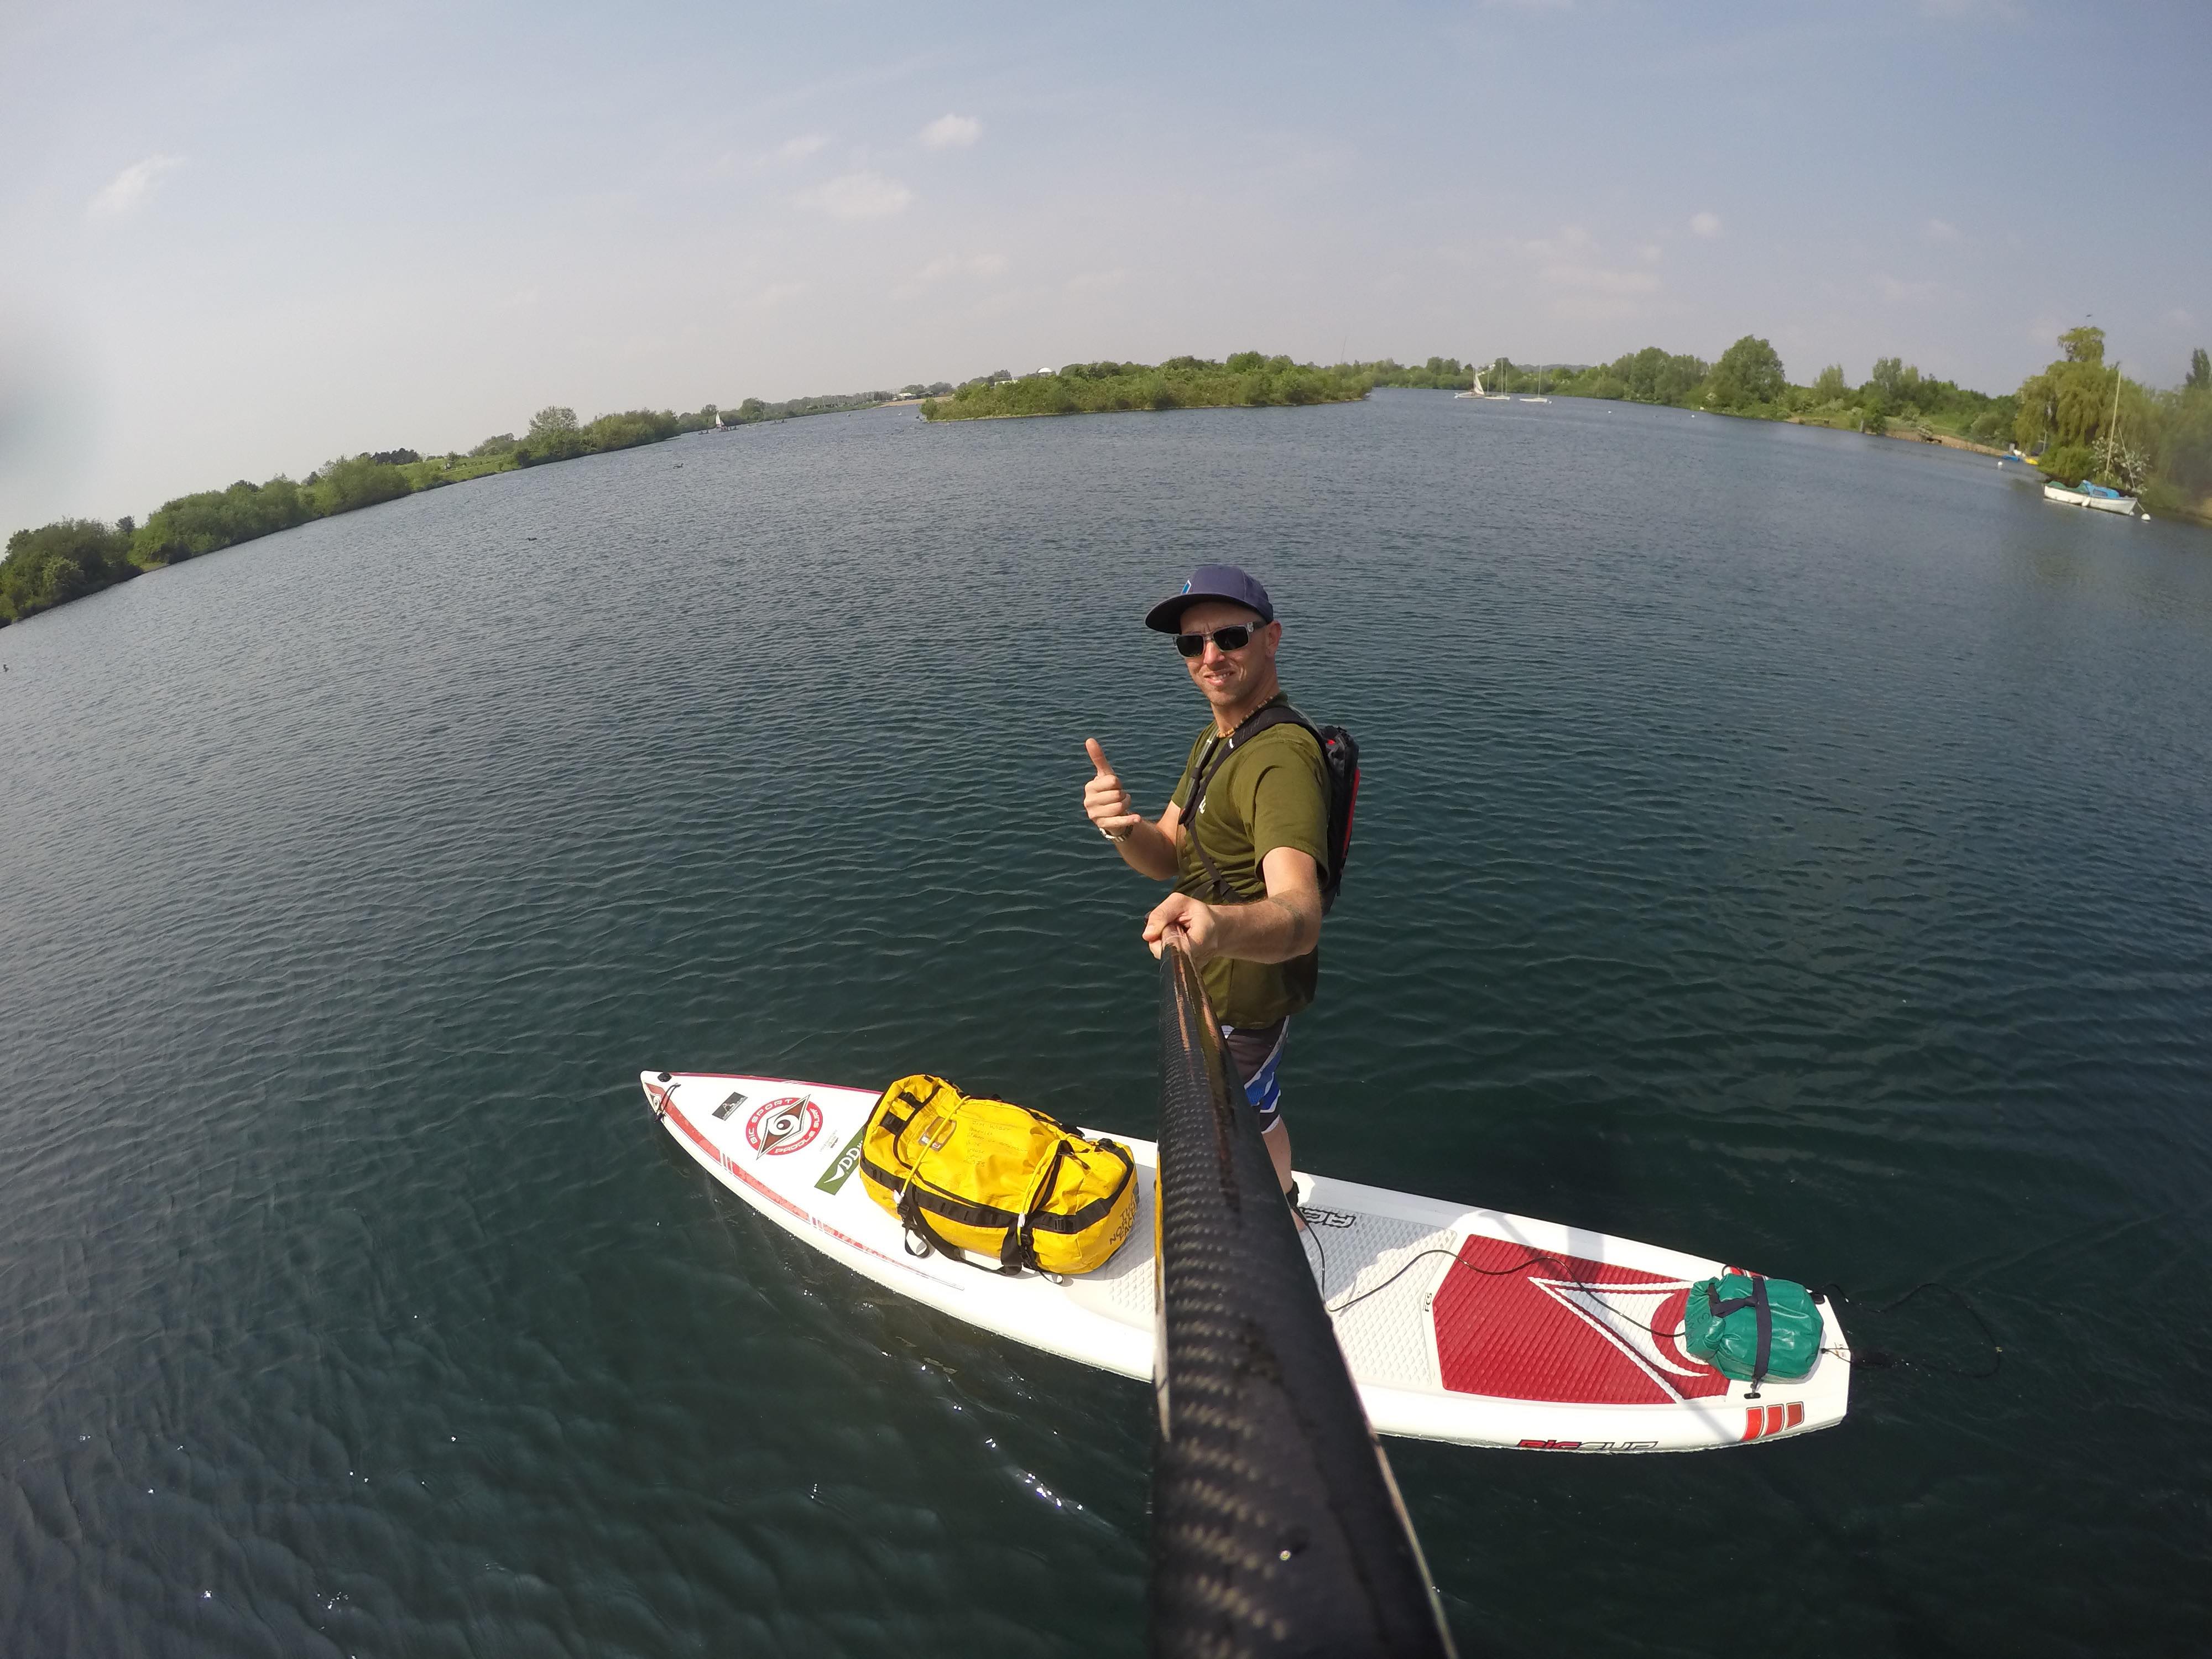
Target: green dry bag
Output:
[{"x": 1753, "y": 1329}]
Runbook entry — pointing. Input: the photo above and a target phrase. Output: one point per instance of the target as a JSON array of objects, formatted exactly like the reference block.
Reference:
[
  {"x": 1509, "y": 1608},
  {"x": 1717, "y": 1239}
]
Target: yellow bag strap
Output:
[{"x": 1019, "y": 1251}]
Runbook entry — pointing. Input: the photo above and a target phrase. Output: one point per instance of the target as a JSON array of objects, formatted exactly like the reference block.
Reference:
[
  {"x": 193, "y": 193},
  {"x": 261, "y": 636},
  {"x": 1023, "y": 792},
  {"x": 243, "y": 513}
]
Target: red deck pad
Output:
[{"x": 1529, "y": 1324}]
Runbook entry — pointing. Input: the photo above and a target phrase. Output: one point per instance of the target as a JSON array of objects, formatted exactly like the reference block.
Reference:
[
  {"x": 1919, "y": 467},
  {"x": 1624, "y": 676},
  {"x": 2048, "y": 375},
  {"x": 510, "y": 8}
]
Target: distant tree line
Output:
[
  {"x": 1438, "y": 374},
  {"x": 72, "y": 557},
  {"x": 1244, "y": 380},
  {"x": 2081, "y": 418},
  {"x": 1748, "y": 379}
]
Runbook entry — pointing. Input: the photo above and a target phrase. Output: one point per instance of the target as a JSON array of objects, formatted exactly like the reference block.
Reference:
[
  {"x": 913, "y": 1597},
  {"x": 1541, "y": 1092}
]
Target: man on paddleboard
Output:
[{"x": 1247, "y": 901}]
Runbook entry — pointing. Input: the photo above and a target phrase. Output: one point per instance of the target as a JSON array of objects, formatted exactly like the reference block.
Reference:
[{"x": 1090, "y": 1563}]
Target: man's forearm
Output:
[
  {"x": 1272, "y": 929},
  {"x": 1147, "y": 850}
]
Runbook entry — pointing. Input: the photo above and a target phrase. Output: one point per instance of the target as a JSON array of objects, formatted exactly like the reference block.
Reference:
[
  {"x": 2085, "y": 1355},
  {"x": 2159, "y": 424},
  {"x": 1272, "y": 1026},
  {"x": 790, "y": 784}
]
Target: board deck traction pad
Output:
[{"x": 1459, "y": 1324}]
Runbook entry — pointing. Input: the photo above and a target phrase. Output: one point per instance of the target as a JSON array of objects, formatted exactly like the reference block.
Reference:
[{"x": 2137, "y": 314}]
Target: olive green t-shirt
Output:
[{"x": 1271, "y": 792}]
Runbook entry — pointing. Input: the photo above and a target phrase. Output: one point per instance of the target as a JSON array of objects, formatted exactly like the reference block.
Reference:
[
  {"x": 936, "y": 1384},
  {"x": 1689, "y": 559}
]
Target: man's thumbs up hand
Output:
[{"x": 1104, "y": 800}]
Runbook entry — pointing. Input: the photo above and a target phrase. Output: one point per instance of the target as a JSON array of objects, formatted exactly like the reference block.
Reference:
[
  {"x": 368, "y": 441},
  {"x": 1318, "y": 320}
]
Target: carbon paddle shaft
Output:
[{"x": 1277, "y": 1529}]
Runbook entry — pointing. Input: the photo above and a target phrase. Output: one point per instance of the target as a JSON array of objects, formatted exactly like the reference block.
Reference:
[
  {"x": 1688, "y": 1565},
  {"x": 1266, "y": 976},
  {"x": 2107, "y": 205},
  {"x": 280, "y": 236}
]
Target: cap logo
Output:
[{"x": 1186, "y": 587}]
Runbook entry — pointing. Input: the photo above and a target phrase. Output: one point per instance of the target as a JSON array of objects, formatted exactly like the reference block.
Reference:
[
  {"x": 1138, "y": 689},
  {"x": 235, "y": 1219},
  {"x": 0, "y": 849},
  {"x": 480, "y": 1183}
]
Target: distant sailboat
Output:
[
  {"x": 1540, "y": 398},
  {"x": 1498, "y": 397},
  {"x": 1478, "y": 390}
]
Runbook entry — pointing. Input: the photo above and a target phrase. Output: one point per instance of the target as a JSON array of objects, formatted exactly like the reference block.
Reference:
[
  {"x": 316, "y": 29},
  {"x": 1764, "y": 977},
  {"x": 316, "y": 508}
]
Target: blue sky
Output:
[{"x": 240, "y": 239}]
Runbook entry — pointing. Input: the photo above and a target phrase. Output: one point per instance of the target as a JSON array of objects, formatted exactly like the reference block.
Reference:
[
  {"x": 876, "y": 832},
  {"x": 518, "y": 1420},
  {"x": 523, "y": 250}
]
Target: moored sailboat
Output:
[{"x": 2098, "y": 497}]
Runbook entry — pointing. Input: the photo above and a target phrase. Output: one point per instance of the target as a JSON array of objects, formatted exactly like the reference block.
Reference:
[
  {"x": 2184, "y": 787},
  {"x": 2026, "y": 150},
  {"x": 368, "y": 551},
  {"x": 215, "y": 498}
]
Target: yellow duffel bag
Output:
[{"x": 962, "y": 1173}]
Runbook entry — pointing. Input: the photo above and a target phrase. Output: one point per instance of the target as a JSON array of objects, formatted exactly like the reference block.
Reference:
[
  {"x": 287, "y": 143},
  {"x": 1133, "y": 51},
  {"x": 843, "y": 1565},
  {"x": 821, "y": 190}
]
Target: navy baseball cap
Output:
[{"x": 1211, "y": 582}]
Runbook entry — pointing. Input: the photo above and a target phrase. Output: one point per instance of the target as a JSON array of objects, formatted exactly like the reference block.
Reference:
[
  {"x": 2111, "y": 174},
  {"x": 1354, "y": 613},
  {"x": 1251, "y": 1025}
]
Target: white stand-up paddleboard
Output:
[{"x": 1458, "y": 1324}]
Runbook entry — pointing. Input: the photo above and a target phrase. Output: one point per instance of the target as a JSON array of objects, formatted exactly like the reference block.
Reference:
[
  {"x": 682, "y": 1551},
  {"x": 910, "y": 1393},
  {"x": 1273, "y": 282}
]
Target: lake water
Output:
[{"x": 1777, "y": 844}]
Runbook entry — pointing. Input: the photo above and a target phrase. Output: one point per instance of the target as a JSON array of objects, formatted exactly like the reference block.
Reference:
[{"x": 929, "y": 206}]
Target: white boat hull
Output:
[{"x": 2124, "y": 505}]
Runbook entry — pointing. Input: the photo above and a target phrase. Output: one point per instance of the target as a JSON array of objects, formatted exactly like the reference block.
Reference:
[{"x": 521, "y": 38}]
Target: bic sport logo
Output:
[{"x": 783, "y": 1126}]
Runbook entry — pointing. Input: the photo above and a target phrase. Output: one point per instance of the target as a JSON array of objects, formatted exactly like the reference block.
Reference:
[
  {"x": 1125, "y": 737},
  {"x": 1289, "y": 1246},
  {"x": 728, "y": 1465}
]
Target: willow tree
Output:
[{"x": 2069, "y": 410}]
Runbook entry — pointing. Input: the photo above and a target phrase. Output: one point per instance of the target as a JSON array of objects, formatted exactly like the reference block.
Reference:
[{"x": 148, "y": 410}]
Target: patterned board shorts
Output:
[{"x": 1256, "y": 1052}]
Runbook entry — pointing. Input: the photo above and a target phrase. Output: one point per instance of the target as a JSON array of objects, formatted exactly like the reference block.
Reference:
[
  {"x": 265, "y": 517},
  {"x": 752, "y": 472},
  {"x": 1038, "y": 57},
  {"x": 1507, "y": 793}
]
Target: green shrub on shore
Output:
[
  {"x": 351, "y": 483},
  {"x": 1245, "y": 379},
  {"x": 1438, "y": 374},
  {"x": 61, "y": 562},
  {"x": 752, "y": 409},
  {"x": 556, "y": 434},
  {"x": 193, "y": 524}
]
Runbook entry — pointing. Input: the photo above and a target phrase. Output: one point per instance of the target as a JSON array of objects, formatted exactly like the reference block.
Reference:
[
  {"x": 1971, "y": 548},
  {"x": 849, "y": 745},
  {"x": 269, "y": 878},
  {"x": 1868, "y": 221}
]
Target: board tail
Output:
[{"x": 1277, "y": 1528}]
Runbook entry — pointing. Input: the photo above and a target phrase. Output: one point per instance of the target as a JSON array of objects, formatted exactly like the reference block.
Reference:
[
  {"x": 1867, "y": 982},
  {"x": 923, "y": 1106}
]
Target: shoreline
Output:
[
  {"x": 420, "y": 475},
  {"x": 1944, "y": 440}
]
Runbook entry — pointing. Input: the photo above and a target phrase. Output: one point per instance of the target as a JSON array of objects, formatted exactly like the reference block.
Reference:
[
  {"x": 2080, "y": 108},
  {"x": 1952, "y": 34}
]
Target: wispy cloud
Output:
[
  {"x": 1907, "y": 294},
  {"x": 861, "y": 195},
  {"x": 1573, "y": 259},
  {"x": 1940, "y": 230},
  {"x": 951, "y": 132},
  {"x": 1595, "y": 279},
  {"x": 797, "y": 149},
  {"x": 964, "y": 268},
  {"x": 775, "y": 293},
  {"x": 962, "y": 264},
  {"x": 1705, "y": 224},
  {"x": 1597, "y": 293},
  {"x": 129, "y": 189},
  {"x": 1580, "y": 282},
  {"x": 2004, "y": 11}
]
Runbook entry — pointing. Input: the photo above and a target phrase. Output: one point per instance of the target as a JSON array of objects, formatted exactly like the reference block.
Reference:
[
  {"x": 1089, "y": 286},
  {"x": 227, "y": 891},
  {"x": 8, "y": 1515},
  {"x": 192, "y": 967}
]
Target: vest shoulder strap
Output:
[{"x": 1216, "y": 755}]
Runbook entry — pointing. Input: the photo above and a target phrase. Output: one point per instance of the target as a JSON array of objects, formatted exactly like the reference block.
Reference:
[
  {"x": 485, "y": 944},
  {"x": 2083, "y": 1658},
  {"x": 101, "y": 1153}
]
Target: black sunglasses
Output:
[{"x": 1234, "y": 637}]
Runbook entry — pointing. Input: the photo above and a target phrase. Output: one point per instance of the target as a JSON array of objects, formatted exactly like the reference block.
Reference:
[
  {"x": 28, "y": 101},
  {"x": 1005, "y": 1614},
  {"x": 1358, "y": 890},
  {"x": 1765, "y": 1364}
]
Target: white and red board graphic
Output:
[
  {"x": 1523, "y": 1324},
  {"x": 783, "y": 1127}
]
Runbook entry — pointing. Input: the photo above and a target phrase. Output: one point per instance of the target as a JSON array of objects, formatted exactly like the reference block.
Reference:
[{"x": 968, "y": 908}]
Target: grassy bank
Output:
[{"x": 1246, "y": 380}]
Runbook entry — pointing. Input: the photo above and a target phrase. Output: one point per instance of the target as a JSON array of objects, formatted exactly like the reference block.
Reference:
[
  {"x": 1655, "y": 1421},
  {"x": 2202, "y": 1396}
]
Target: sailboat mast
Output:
[{"x": 2112, "y": 426}]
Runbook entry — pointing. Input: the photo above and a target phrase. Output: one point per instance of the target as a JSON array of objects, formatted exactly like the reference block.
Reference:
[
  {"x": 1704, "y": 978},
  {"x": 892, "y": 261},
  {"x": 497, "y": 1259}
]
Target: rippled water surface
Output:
[{"x": 1775, "y": 844}]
